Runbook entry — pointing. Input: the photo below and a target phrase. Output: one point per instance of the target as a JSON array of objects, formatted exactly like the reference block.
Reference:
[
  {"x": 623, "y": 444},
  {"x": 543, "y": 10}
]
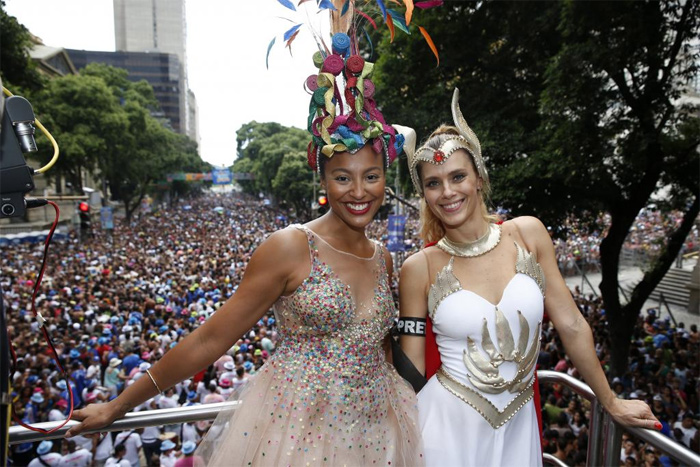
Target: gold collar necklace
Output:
[{"x": 478, "y": 247}]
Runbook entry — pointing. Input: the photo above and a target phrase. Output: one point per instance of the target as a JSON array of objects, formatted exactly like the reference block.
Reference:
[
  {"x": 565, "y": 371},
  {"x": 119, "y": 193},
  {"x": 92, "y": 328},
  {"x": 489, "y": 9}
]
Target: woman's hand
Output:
[
  {"x": 93, "y": 417},
  {"x": 633, "y": 413}
]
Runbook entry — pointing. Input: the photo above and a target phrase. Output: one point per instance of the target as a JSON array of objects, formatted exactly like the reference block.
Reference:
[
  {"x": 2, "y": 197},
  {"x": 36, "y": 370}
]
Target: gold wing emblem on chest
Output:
[{"x": 484, "y": 373}]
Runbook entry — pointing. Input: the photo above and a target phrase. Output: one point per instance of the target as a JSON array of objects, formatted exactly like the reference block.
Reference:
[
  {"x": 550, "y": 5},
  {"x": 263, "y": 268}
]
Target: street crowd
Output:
[
  {"x": 115, "y": 306},
  {"x": 578, "y": 247}
]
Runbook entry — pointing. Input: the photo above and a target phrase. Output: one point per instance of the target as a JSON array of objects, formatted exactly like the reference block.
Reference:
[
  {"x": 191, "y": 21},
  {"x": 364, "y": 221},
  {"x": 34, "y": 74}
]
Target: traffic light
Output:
[
  {"x": 84, "y": 213},
  {"x": 322, "y": 205}
]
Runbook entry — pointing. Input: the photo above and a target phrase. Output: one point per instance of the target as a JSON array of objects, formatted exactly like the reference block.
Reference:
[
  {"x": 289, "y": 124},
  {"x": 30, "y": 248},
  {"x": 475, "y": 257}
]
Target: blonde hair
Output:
[{"x": 432, "y": 229}]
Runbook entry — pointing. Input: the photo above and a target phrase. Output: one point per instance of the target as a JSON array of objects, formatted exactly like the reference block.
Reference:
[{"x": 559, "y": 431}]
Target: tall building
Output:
[
  {"x": 162, "y": 71},
  {"x": 158, "y": 26}
]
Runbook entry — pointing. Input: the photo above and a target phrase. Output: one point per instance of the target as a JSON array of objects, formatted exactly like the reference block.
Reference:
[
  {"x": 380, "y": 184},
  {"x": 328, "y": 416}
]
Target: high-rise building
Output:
[
  {"x": 161, "y": 70},
  {"x": 158, "y": 26}
]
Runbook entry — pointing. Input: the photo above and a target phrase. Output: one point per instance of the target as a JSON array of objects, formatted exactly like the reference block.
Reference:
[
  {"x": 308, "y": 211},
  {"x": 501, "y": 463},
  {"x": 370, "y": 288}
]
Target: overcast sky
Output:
[{"x": 226, "y": 45}]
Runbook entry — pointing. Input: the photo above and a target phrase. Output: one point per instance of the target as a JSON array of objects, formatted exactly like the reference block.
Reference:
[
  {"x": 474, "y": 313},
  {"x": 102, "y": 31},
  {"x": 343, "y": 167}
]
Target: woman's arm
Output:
[
  {"x": 574, "y": 331},
  {"x": 413, "y": 303},
  {"x": 275, "y": 268}
]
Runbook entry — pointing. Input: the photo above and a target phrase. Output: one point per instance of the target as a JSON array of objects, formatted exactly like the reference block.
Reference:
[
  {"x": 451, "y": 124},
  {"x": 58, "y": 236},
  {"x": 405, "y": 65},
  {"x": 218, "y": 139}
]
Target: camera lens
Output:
[
  {"x": 7, "y": 209},
  {"x": 25, "y": 133}
]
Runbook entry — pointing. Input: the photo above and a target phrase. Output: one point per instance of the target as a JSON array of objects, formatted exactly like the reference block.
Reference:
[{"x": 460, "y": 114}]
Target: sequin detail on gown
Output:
[{"x": 327, "y": 396}]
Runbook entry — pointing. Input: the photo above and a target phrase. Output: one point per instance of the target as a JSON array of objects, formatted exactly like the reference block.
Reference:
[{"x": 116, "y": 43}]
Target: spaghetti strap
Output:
[{"x": 310, "y": 238}]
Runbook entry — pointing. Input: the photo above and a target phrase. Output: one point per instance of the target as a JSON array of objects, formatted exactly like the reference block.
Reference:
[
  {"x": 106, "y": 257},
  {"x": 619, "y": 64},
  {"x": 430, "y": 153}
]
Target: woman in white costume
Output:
[{"x": 482, "y": 288}]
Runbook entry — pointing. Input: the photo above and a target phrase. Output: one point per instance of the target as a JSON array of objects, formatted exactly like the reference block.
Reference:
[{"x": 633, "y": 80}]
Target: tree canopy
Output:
[
  {"x": 276, "y": 156},
  {"x": 104, "y": 125},
  {"x": 17, "y": 70}
]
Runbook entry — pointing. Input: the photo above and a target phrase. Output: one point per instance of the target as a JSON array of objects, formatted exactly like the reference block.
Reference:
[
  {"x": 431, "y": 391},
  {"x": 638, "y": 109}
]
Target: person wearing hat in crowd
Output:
[
  {"x": 229, "y": 372},
  {"x": 34, "y": 408},
  {"x": 168, "y": 457},
  {"x": 330, "y": 288},
  {"x": 44, "y": 455},
  {"x": 58, "y": 412},
  {"x": 76, "y": 456},
  {"x": 140, "y": 370},
  {"x": 118, "y": 459},
  {"x": 187, "y": 458},
  {"x": 225, "y": 387},
  {"x": 114, "y": 375},
  {"x": 220, "y": 363},
  {"x": 481, "y": 364},
  {"x": 93, "y": 392},
  {"x": 659, "y": 410},
  {"x": 131, "y": 361}
]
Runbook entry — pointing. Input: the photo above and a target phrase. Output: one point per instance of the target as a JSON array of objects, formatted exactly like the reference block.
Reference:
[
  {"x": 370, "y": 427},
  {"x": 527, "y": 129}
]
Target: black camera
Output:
[{"x": 17, "y": 137}]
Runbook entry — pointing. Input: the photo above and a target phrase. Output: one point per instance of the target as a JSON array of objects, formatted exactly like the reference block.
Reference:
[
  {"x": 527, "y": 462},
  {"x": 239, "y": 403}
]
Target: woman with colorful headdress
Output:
[
  {"x": 327, "y": 395},
  {"x": 481, "y": 289}
]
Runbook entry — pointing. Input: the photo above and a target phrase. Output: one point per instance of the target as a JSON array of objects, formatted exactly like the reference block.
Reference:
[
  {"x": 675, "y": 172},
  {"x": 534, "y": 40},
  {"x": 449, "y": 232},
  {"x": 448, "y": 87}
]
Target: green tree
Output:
[
  {"x": 293, "y": 183},
  {"x": 613, "y": 117},
  {"x": 577, "y": 107},
  {"x": 103, "y": 124},
  {"x": 16, "y": 67},
  {"x": 266, "y": 148},
  {"x": 245, "y": 166},
  {"x": 86, "y": 120}
]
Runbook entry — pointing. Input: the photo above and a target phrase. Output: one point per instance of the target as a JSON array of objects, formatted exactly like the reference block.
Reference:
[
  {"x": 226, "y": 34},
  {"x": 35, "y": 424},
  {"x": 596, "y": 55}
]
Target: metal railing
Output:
[
  {"x": 605, "y": 436},
  {"x": 603, "y": 441},
  {"x": 131, "y": 421}
]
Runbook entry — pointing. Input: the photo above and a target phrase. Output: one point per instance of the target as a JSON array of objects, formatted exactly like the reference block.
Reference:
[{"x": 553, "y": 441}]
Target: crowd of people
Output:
[
  {"x": 114, "y": 308},
  {"x": 663, "y": 372},
  {"x": 578, "y": 247}
]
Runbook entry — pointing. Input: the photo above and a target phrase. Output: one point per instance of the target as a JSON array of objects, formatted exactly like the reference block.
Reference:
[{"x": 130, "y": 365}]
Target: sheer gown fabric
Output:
[
  {"x": 327, "y": 396},
  {"x": 494, "y": 421}
]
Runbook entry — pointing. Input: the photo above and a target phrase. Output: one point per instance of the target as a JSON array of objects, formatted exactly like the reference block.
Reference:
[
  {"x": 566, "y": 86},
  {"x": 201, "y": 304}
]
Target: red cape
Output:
[{"x": 432, "y": 363}]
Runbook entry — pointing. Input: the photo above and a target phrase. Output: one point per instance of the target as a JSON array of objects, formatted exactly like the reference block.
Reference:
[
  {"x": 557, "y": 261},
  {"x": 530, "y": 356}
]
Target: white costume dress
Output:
[{"x": 478, "y": 409}]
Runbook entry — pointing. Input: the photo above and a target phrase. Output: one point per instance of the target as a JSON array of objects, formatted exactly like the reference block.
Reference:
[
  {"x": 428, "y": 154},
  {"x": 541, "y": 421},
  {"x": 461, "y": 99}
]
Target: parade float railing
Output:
[{"x": 604, "y": 435}]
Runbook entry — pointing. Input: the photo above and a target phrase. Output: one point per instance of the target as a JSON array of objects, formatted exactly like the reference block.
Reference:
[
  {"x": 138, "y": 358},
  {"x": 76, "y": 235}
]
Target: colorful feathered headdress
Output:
[{"x": 343, "y": 115}]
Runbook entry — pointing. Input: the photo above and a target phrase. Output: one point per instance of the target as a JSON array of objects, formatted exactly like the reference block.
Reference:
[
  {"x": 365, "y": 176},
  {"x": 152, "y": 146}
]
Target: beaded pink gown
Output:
[{"x": 327, "y": 396}]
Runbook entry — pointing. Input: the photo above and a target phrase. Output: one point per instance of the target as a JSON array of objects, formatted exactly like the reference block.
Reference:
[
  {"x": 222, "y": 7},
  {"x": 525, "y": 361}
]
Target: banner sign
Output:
[
  {"x": 396, "y": 227},
  {"x": 221, "y": 177},
  {"x": 209, "y": 176}
]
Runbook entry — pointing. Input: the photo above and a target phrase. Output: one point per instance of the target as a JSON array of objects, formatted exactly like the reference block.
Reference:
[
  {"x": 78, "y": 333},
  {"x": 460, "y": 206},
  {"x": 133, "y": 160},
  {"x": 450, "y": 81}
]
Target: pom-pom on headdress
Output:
[
  {"x": 343, "y": 115},
  {"x": 466, "y": 140}
]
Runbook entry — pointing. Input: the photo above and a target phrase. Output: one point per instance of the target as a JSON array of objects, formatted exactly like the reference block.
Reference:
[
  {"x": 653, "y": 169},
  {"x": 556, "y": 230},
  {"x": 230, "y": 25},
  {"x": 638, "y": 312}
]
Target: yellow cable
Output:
[{"x": 48, "y": 135}]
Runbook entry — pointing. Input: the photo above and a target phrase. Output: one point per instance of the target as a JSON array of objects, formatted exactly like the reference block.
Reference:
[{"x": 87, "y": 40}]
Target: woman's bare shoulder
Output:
[
  {"x": 528, "y": 227},
  {"x": 415, "y": 265},
  {"x": 285, "y": 245}
]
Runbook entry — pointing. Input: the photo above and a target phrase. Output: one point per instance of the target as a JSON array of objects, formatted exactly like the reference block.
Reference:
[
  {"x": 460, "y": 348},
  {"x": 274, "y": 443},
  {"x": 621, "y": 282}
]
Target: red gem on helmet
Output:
[{"x": 439, "y": 156}]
